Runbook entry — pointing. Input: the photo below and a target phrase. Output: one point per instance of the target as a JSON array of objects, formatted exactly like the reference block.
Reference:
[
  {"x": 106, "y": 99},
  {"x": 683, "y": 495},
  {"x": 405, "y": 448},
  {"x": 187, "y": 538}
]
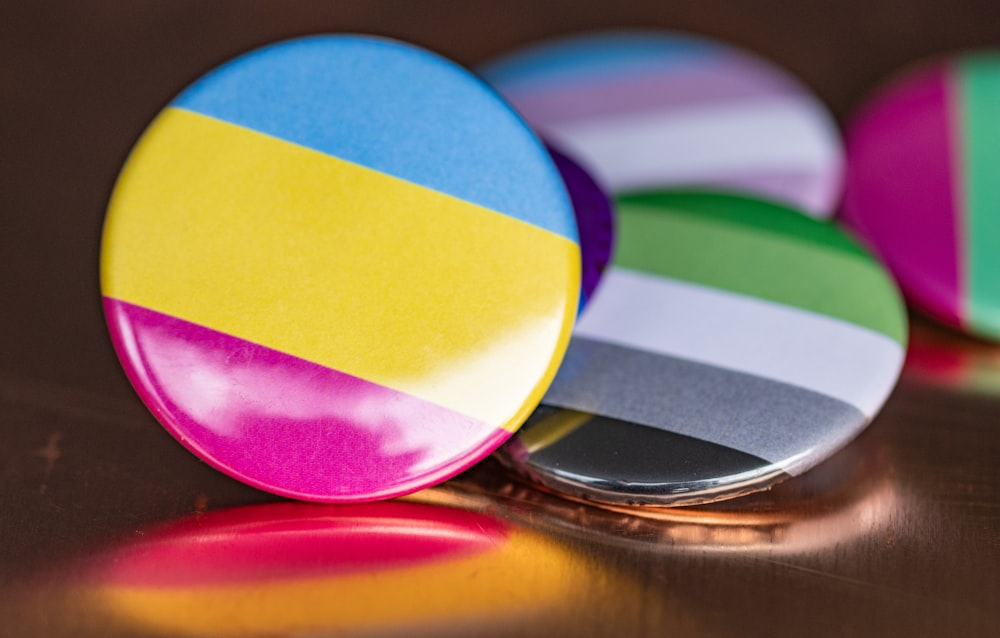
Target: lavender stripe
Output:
[
  {"x": 711, "y": 81},
  {"x": 812, "y": 190}
]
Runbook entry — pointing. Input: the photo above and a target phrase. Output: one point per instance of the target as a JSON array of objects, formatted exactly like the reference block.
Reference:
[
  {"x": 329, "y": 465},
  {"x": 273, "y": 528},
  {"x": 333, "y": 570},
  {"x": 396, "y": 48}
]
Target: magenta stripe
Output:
[
  {"x": 287, "y": 425},
  {"x": 710, "y": 82},
  {"x": 900, "y": 193}
]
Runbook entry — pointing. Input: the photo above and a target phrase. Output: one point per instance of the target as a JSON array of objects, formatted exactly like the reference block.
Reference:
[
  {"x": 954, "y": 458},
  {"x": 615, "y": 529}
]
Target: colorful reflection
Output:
[
  {"x": 292, "y": 567},
  {"x": 849, "y": 496},
  {"x": 942, "y": 357}
]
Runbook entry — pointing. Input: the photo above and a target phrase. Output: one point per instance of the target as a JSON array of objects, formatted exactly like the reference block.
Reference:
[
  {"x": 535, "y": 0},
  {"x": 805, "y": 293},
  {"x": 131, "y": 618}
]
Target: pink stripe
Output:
[
  {"x": 282, "y": 542},
  {"x": 900, "y": 194},
  {"x": 284, "y": 424},
  {"x": 714, "y": 81}
]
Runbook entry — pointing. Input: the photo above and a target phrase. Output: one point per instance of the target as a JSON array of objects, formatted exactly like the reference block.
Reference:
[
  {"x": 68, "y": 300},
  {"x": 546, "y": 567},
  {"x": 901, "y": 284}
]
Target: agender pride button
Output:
[
  {"x": 340, "y": 268},
  {"x": 923, "y": 187},
  {"x": 647, "y": 109},
  {"x": 732, "y": 343}
]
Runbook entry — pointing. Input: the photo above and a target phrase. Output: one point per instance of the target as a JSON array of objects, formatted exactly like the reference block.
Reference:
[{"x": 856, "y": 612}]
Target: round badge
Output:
[
  {"x": 340, "y": 269},
  {"x": 732, "y": 343},
  {"x": 594, "y": 220},
  {"x": 922, "y": 187},
  {"x": 650, "y": 110}
]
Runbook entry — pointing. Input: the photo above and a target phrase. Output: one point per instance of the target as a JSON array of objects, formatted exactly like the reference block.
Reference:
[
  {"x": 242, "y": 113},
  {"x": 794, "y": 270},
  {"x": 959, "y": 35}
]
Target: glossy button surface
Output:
[
  {"x": 923, "y": 187},
  {"x": 340, "y": 268},
  {"x": 732, "y": 343},
  {"x": 657, "y": 109}
]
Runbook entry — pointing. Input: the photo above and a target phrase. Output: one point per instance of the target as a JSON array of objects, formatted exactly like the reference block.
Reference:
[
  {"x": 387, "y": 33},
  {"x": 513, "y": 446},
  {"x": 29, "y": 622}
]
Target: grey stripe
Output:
[{"x": 775, "y": 421}]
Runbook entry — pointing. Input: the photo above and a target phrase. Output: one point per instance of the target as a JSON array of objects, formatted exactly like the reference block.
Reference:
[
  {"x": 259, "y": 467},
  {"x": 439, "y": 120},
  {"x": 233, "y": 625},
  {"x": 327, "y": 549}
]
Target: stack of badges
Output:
[
  {"x": 343, "y": 269},
  {"x": 340, "y": 269}
]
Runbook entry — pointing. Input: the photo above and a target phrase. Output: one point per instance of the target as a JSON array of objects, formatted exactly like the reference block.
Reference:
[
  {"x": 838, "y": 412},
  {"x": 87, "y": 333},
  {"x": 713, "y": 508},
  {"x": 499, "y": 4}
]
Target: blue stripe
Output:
[
  {"x": 396, "y": 109},
  {"x": 591, "y": 57}
]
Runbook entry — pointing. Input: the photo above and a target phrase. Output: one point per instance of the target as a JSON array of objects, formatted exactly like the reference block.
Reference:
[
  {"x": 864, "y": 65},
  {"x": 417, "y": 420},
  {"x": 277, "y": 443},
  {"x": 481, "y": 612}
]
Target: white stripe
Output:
[
  {"x": 654, "y": 148},
  {"x": 737, "y": 332}
]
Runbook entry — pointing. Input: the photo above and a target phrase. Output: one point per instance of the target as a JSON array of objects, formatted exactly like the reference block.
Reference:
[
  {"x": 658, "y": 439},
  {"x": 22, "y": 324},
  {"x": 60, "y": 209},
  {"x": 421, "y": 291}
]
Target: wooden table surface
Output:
[{"x": 898, "y": 534}]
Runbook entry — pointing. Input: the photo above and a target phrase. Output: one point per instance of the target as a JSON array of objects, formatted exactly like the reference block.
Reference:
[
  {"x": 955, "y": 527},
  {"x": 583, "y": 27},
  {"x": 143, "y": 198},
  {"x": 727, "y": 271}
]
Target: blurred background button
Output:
[
  {"x": 923, "y": 187},
  {"x": 648, "y": 109}
]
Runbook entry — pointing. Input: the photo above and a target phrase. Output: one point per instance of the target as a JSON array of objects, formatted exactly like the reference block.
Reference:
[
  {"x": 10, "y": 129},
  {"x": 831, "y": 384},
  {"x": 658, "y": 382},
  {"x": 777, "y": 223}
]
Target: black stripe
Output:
[{"x": 608, "y": 459}]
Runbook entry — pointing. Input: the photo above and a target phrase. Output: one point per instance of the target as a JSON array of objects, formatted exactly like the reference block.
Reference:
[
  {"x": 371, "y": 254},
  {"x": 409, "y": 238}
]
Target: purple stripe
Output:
[
  {"x": 287, "y": 425},
  {"x": 593, "y": 218},
  {"x": 715, "y": 81},
  {"x": 901, "y": 195}
]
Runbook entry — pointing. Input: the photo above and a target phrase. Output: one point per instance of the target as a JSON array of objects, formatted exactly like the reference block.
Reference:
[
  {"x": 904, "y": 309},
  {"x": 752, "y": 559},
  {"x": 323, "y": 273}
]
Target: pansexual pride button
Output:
[
  {"x": 923, "y": 187},
  {"x": 732, "y": 343},
  {"x": 650, "y": 110},
  {"x": 340, "y": 269}
]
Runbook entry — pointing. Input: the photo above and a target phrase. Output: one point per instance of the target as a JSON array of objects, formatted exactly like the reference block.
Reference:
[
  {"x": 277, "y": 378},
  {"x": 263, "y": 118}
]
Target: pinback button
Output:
[
  {"x": 594, "y": 220},
  {"x": 649, "y": 110},
  {"x": 922, "y": 187},
  {"x": 732, "y": 343},
  {"x": 340, "y": 269}
]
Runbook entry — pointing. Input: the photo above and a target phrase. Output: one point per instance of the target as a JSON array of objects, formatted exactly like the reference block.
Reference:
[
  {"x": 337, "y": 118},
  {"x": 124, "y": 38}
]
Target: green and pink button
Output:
[{"x": 923, "y": 187}]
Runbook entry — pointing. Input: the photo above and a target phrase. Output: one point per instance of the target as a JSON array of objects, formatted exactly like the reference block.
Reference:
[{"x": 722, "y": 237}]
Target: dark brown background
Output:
[
  {"x": 80, "y": 80},
  {"x": 82, "y": 465}
]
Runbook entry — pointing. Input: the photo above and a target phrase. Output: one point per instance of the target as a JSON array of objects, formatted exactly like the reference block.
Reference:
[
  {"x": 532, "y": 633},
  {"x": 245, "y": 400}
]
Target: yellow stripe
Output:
[
  {"x": 341, "y": 265},
  {"x": 552, "y": 429}
]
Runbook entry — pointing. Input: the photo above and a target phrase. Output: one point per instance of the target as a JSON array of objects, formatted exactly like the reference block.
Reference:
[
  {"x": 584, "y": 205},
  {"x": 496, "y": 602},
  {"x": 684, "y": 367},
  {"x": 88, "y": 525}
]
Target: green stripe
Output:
[
  {"x": 753, "y": 213},
  {"x": 748, "y": 260},
  {"x": 980, "y": 110}
]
